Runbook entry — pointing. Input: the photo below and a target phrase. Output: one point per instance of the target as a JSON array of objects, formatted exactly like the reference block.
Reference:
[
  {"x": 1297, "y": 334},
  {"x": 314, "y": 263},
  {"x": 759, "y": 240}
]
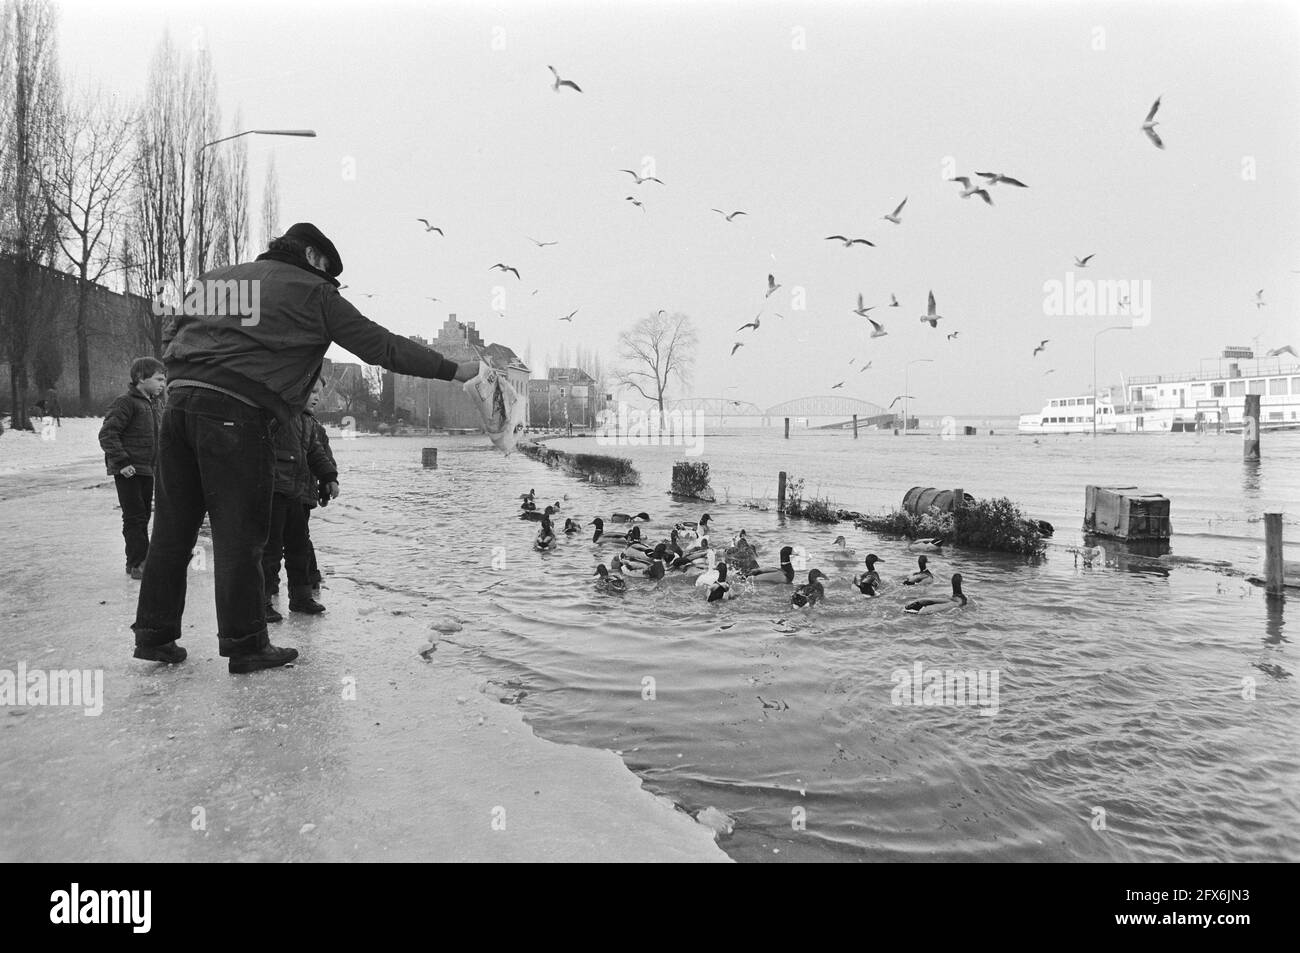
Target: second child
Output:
[{"x": 129, "y": 438}]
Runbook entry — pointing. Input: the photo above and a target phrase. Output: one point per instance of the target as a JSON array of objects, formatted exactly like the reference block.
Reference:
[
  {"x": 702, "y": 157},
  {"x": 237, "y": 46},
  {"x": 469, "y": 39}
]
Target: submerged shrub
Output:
[
  {"x": 996, "y": 525},
  {"x": 691, "y": 479}
]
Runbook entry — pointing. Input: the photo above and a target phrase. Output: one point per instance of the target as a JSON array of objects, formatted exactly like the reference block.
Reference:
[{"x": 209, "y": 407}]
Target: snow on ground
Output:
[{"x": 77, "y": 441}]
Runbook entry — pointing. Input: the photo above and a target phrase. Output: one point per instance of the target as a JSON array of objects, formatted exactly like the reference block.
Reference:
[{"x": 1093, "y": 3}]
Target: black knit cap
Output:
[{"x": 313, "y": 236}]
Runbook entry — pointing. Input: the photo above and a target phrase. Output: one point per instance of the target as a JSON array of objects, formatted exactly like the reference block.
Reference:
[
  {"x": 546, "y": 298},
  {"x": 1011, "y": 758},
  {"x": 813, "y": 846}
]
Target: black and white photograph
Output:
[{"x": 645, "y": 431}]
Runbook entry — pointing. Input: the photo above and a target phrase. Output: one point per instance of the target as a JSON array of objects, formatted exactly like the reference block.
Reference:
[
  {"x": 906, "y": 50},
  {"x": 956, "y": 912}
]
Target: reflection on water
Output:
[{"x": 1120, "y": 689}]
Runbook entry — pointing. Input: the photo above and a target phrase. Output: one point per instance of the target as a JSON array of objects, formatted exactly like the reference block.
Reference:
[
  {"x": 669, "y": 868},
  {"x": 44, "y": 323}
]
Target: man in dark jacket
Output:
[
  {"x": 129, "y": 437},
  {"x": 242, "y": 357}
]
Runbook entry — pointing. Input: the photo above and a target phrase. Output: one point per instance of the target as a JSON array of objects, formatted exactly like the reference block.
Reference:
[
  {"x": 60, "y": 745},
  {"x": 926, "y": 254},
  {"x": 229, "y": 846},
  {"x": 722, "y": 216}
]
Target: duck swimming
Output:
[
  {"x": 629, "y": 518},
  {"x": 570, "y": 527},
  {"x": 603, "y": 537},
  {"x": 608, "y": 583},
  {"x": 807, "y": 595},
  {"x": 921, "y": 576},
  {"x": 932, "y": 544},
  {"x": 926, "y": 606},
  {"x": 545, "y": 535},
  {"x": 720, "y": 588},
  {"x": 710, "y": 575},
  {"x": 658, "y": 562},
  {"x": 784, "y": 575},
  {"x": 843, "y": 554},
  {"x": 536, "y": 516},
  {"x": 694, "y": 528},
  {"x": 868, "y": 583}
]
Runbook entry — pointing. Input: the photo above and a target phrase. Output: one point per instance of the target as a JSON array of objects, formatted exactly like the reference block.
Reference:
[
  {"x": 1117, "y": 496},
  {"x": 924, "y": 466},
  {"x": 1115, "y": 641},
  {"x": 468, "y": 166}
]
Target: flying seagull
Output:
[
  {"x": 430, "y": 228},
  {"x": 640, "y": 178},
  {"x": 849, "y": 242},
  {"x": 893, "y": 217},
  {"x": 860, "y": 310},
  {"x": 877, "y": 329},
  {"x": 893, "y": 301},
  {"x": 898, "y": 398},
  {"x": 837, "y": 386},
  {"x": 1052, "y": 371},
  {"x": 563, "y": 82},
  {"x": 1041, "y": 347},
  {"x": 736, "y": 347},
  {"x": 997, "y": 177},
  {"x": 953, "y": 335},
  {"x": 1149, "y": 126},
  {"x": 931, "y": 317},
  {"x": 864, "y": 367},
  {"x": 771, "y": 286},
  {"x": 731, "y": 216},
  {"x": 1083, "y": 262},
  {"x": 1259, "y": 298},
  {"x": 639, "y": 205},
  {"x": 540, "y": 244},
  {"x": 500, "y": 267},
  {"x": 967, "y": 190},
  {"x": 752, "y": 324},
  {"x": 1285, "y": 349},
  {"x": 432, "y": 298},
  {"x": 569, "y": 317},
  {"x": 369, "y": 295}
]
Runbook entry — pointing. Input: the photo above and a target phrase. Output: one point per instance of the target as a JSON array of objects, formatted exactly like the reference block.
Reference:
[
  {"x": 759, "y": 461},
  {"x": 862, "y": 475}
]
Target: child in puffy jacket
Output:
[
  {"x": 302, "y": 463},
  {"x": 129, "y": 437}
]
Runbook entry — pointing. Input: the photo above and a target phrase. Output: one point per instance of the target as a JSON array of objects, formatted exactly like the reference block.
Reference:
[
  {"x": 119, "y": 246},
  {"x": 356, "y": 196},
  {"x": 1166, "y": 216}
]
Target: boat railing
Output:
[{"x": 1275, "y": 368}]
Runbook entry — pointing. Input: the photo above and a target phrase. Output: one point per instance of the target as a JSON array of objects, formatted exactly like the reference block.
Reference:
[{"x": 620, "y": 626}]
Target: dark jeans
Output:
[
  {"x": 215, "y": 455},
  {"x": 288, "y": 537},
  {"x": 136, "y": 496},
  {"x": 313, "y": 571}
]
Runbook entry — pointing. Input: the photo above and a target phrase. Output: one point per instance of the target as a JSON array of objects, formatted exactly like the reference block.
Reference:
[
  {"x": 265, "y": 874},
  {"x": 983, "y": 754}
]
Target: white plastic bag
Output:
[{"x": 498, "y": 406}]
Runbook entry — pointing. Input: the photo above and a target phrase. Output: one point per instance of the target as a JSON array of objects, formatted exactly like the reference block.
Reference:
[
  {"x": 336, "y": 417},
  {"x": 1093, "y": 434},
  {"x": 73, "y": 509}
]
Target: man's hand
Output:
[
  {"x": 333, "y": 489},
  {"x": 466, "y": 371},
  {"x": 127, "y": 471}
]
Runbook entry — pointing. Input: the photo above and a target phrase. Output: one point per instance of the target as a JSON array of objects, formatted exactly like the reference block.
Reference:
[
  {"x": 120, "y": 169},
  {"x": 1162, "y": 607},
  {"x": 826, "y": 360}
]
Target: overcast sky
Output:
[{"x": 816, "y": 119}]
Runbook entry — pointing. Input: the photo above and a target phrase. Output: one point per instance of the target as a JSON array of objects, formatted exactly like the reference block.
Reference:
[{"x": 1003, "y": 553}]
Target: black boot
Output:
[
  {"x": 300, "y": 600},
  {"x": 254, "y": 652},
  {"x": 271, "y": 614},
  {"x": 168, "y": 652}
]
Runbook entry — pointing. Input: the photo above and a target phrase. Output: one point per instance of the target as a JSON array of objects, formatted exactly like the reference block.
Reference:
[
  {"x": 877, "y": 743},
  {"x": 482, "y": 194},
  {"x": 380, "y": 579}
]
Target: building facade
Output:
[
  {"x": 567, "y": 397},
  {"x": 440, "y": 404}
]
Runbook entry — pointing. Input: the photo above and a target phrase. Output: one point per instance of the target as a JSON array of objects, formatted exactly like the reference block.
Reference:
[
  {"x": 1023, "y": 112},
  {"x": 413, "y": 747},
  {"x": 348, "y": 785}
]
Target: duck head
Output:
[
  {"x": 841, "y": 541},
  {"x": 601, "y": 571},
  {"x": 921, "y": 561},
  {"x": 956, "y": 584},
  {"x": 634, "y": 534},
  {"x": 722, "y": 572},
  {"x": 814, "y": 575},
  {"x": 786, "y": 553},
  {"x": 642, "y": 516},
  {"x": 872, "y": 559},
  {"x": 598, "y": 523}
]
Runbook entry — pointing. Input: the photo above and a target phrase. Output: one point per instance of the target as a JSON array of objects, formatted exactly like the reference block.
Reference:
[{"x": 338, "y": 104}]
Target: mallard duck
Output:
[
  {"x": 720, "y": 588},
  {"x": 629, "y": 517},
  {"x": 783, "y": 575},
  {"x": 570, "y": 527},
  {"x": 694, "y": 528},
  {"x": 603, "y": 537},
  {"x": 843, "y": 554},
  {"x": 807, "y": 595},
  {"x": 606, "y": 582},
  {"x": 710, "y": 575},
  {"x": 932, "y": 544},
  {"x": 545, "y": 535},
  {"x": 537, "y": 517},
  {"x": 868, "y": 583},
  {"x": 926, "y": 606},
  {"x": 922, "y": 575}
]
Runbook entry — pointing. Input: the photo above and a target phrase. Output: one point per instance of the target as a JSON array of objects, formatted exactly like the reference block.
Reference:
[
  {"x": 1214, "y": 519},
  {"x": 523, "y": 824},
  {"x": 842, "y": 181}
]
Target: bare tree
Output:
[
  {"x": 270, "y": 204},
  {"x": 237, "y": 194},
  {"x": 658, "y": 349},
  {"x": 29, "y": 111},
  {"x": 84, "y": 183},
  {"x": 202, "y": 124}
]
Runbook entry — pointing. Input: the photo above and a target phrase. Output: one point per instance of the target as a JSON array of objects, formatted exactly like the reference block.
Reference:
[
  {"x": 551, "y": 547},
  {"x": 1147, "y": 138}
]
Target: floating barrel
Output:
[
  {"x": 919, "y": 499},
  {"x": 429, "y": 458}
]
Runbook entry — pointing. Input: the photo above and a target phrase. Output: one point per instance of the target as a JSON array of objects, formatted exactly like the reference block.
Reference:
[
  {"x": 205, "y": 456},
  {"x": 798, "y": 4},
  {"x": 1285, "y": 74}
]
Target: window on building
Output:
[
  {"x": 1217, "y": 390},
  {"x": 1237, "y": 389},
  {"x": 1275, "y": 415},
  {"x": 1257, "y": 386},
  {"x": 1277, "y": 385}
]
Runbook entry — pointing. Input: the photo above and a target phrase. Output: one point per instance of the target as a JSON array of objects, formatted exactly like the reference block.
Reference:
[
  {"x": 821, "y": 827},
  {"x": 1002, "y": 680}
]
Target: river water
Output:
[{"x": 1146, "y": 710}]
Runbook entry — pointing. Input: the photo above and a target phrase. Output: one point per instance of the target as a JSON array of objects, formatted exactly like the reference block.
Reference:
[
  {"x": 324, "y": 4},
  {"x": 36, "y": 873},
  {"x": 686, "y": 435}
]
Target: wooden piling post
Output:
[
  {"x": 958, "y": 499},
  {"x": 787, "y": 428},
  {"x": 1273, "y": 565},
  {"x": 855, "y": 426},
  {"x": 780, "y": 487},
  {"x": 1250, "y": 428},
  {"x": 429, "y": 457}
]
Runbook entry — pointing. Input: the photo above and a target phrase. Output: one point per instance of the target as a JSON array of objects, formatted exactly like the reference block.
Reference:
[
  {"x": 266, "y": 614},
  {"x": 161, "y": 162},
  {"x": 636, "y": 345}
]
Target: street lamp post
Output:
[
  {"x": 307, "y": 133},
  {"x": 1113, "y": 327},
  {"x": 907, "y": 400}
]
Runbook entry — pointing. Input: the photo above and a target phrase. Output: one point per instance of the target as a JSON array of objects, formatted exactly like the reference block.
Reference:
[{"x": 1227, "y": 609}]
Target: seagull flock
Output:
[{"x": 982, "y": 186}]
